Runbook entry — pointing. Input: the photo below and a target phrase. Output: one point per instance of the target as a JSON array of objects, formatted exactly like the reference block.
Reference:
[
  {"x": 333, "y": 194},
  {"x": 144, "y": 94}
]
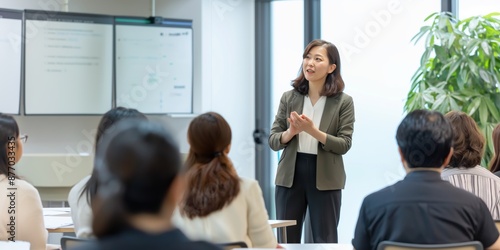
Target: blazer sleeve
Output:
[
  {"x": 259, "y": 230},
  {"x": 280, "y": 125},
  {"x": 31, "y": 226},
  {"x": 341, "y": 143}
]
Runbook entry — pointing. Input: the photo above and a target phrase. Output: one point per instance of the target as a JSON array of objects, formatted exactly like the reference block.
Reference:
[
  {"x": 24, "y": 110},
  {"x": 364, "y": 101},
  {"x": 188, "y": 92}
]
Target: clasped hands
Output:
[{"x": 299, "y": 123}]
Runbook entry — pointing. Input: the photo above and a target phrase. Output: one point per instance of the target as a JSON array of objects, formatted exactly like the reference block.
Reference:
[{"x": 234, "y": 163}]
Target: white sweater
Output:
[
  {"x": 81, "y": 213},
  {"x": 244, "y": 219},
  {"x": 29, "y": 224}
]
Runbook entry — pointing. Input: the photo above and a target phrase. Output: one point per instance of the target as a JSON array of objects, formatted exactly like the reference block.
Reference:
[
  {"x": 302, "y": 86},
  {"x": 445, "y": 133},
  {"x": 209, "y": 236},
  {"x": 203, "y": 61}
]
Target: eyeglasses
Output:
[{"x": 23, "y": 138}]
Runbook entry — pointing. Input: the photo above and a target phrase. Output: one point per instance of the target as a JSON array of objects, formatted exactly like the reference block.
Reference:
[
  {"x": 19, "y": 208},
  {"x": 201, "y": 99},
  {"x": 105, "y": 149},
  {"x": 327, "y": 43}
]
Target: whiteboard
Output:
[
  {"x": 154, "y": 68},
  {"x": 10, "y": 62},
  {"x": 68, "y": 63}
]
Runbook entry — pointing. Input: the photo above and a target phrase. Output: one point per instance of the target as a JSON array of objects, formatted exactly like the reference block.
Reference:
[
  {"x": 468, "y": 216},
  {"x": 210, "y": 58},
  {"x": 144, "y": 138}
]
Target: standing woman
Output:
[
  {"x": 27, "y": 209},
  {"x": 314, "y": 126}
]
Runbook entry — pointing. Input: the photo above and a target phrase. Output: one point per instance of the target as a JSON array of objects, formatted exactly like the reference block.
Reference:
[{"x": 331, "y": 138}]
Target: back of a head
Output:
[
  {"x": 468, "y": 142},
  {"x": 208, "y": 135},
  {"x": 210, "y": 173},
  {"x": 114, "y": 115},
  {"x": 136, "y": 165},
  {"x": 425, "y": 139},
  {"x": 9, "y": 131}
]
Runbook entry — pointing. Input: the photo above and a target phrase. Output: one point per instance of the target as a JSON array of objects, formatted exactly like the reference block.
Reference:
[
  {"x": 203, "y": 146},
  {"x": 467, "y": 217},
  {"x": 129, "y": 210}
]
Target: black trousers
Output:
[{"x": 324, "y": 206}]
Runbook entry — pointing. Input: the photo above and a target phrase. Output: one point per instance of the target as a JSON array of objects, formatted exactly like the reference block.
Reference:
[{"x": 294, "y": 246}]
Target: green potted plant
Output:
[{"x": 460, "y": 70}]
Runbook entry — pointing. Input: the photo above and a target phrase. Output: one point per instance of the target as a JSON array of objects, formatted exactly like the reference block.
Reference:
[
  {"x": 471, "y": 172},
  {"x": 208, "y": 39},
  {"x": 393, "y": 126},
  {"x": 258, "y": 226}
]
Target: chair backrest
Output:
[
  {"x": 497, "y": 223},
  {"x": 392, "y": 245},
  {"x": 232, "y": 245},
  {"x": 69, "y": 242}
]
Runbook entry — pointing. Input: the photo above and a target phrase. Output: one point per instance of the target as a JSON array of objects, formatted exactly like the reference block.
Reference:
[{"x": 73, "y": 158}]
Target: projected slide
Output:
[
  {"x": 10, "y": 60},
  {"x": 69, "y": 63},
  {"x": 154, "y": 68}
]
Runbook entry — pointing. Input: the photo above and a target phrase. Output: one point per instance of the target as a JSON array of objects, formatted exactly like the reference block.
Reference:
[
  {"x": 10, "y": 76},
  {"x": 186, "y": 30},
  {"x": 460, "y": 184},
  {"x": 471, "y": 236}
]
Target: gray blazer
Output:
[{"x": 337, "y": 122}]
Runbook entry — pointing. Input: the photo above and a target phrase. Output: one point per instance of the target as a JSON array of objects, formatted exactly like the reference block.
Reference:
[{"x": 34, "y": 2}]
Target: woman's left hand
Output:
[{"x": 306, "y": 124}]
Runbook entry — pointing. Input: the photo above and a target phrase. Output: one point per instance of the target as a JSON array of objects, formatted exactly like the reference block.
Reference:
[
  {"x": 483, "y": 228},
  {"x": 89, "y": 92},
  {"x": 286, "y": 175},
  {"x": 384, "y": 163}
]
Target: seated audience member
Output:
[
  {"x": 495, "y": 161},
  {"x": 23, "y": 202},
  {"x": 81, "y": 195},
  {"x": 137, "y": 167},
  {"x": 219, "y": 206},
  {"x": 464, "y": 170},
  {"x": 423, "y": 208}
]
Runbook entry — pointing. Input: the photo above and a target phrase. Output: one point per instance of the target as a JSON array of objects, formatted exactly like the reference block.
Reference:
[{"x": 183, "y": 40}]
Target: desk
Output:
[
  {"x": 308, "y": 247},
  {"x": 281, "y": 225},
  {"x": 58, "y": 220}
]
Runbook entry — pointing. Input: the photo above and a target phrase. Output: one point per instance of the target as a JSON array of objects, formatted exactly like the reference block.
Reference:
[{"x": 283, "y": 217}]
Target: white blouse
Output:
[
  {"x": 307, "y": 143},
  {"x": 244, "y": 219},
  {"x": 80, "y": 210}
]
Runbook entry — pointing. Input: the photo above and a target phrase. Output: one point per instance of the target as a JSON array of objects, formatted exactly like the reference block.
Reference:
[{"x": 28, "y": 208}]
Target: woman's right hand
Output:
[{"x": 294, "y": 128}]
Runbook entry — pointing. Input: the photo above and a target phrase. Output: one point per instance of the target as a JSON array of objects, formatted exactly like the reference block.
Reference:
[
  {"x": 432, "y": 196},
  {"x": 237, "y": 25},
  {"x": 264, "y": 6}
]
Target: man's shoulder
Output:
[
  {"x": 383, "y": 193},
  {"x": 403, "y": 191}
]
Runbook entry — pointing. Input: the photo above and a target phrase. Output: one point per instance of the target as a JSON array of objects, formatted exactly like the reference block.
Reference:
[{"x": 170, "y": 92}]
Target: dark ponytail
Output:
[{"x": 109, "y": 215}]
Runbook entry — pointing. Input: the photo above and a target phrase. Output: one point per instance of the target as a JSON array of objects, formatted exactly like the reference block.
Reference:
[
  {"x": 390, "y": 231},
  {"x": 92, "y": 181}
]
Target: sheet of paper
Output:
[
  {"x": 53, "y": 222},
  {"x": 57, "y": 211}
]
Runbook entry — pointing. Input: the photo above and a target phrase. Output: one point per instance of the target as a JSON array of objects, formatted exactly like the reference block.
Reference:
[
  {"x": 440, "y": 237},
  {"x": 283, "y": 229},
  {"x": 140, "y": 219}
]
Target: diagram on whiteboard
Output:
[{"x": 154, "y": 68}]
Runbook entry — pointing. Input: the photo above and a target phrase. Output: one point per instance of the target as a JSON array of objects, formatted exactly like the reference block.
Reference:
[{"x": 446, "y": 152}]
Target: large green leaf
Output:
[
  {"x": 473, "y": 24},
  {"x": 483, "y": 112},
  {"x": 437, "y": 105},
  {"x": 484, "y": 75},
  {"x": 486, "y": 47},
  {"x": 424, "y": 30},
  {"x": 474, "y": 106},
  {"x": 453, "y": 104},
  {"x": 453, "y": 68},
  {"x": 492, "y": 108},
  {"x": 441, "y": 53}
]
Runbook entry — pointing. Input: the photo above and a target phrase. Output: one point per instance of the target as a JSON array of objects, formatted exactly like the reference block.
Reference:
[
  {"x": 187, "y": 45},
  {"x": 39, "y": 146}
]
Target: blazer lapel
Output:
[
  {"x": 297, "y": 103},
  {"x": 331, "y": 107}
]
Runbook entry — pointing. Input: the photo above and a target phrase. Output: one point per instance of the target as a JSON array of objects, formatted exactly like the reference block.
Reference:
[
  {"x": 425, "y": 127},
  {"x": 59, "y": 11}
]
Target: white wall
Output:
[{"x": 223, "y": 73}]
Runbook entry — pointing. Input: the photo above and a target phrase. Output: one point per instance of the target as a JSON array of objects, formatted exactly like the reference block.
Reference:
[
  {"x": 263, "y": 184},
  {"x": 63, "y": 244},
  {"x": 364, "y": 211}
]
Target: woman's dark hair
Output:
[
  {"x": 111, "y": 117},
  {"x": 495, "y": 161},
  {"x": 136, "y": 164},
  {"x": 9, "y": 132},
  {"x": 425, "y": 139},
  {"x": 212, "y": 181},
  {"x": 333, "y": 83},
  {"x": 468, "y": 142}
]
